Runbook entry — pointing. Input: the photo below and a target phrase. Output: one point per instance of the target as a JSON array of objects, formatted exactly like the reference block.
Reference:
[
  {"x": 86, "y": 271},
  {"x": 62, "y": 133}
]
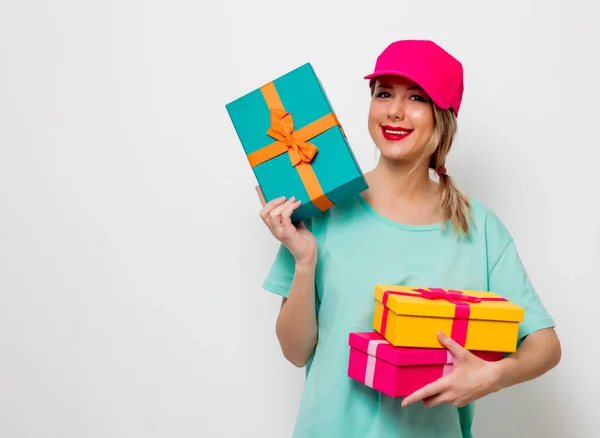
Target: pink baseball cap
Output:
[{"x": 427, "y": 64}]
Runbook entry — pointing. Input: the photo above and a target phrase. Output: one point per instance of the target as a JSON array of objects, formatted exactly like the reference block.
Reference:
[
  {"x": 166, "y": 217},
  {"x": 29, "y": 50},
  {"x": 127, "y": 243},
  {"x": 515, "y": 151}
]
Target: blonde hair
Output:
[{"x": 454, "y": 203}]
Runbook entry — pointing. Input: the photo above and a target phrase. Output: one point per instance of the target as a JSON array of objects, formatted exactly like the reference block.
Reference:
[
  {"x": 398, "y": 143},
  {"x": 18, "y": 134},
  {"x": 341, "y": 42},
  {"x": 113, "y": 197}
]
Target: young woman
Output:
[{"x": 406, "y": 229}]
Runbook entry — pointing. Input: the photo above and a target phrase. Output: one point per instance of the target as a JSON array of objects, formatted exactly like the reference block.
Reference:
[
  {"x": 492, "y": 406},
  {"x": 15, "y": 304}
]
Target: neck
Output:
[{"x": 395, "y": 181}]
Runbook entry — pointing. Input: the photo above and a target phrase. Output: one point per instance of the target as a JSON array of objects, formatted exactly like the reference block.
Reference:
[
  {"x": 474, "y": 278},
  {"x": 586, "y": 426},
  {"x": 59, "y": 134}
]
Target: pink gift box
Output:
[{"x": 399, "y": 371}]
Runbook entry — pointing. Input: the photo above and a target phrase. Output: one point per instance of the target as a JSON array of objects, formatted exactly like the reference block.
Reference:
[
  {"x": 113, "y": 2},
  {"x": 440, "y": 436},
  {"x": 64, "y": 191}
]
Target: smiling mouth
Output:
[{"x": 395, "y": 134}]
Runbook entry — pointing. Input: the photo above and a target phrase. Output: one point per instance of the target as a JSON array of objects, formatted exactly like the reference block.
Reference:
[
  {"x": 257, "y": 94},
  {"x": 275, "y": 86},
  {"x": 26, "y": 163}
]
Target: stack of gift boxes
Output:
[
  {"x": 296, "y": 146},
  {"x": 404, "y": 354}
]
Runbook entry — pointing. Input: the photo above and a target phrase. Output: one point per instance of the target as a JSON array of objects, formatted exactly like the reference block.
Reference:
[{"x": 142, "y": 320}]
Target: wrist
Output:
[
  {"x": 502, "y": 373},
  {"x": 308, "y": 262},
  {"x": 306, "y": 265}
]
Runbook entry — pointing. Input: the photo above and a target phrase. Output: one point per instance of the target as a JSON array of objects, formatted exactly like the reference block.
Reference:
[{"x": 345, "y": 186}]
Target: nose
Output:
[{"x": 396, "y": 109}]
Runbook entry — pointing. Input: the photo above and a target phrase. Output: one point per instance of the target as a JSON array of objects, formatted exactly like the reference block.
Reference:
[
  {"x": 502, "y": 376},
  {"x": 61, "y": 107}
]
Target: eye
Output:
[
  {"x": 383, "y": 94},
  {"x": 418, "y": 98}
]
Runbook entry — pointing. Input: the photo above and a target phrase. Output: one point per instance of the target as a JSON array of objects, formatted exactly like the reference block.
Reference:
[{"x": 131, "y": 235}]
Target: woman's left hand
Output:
[{"x": 470, "y": 379}]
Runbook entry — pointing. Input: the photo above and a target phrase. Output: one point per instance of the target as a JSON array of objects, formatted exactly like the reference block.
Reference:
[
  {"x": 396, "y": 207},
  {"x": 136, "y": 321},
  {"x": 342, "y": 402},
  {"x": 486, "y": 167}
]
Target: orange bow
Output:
[{"x": 282, "y": 129}]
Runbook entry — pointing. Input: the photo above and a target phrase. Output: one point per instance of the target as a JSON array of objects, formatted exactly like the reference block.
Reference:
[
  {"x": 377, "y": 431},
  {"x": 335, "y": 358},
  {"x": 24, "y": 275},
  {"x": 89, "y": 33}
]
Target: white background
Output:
[{"x": 131, "y": 251}]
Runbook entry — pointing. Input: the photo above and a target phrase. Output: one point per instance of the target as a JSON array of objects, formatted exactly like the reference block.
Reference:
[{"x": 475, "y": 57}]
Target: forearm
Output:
[
  {"x": 539, "y": 353},
  {"x": 297, "y": 321}
]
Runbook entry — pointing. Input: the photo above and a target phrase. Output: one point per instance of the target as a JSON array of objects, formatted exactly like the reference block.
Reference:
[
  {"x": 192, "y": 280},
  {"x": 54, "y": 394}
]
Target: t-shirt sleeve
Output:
[
  {"x": 509, "y": 279},
  {"x": 280, "y": 276}
]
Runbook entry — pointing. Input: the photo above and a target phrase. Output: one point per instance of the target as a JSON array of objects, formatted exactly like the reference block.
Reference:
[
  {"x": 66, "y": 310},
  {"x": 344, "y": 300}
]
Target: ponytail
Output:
[{"x": 454, "y": 204}]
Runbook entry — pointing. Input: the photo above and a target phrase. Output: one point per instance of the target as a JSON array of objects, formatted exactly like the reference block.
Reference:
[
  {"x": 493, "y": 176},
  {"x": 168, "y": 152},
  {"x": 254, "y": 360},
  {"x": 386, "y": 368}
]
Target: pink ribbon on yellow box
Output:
[{"x": 462, "y": 311}]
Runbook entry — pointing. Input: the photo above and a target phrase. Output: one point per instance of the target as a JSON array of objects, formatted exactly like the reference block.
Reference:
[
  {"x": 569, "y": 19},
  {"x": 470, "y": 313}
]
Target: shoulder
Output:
[
  {"x": 487, "y": 221},
  {"x": 489, "y": 228}
]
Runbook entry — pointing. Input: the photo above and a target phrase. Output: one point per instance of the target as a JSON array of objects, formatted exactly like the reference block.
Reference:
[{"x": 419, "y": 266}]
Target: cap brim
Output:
[{"x": 437, "y": 98}]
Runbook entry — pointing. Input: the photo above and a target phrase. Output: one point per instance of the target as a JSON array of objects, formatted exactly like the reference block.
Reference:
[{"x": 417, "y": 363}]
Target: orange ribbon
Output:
[{"x": 295, "y": 143}]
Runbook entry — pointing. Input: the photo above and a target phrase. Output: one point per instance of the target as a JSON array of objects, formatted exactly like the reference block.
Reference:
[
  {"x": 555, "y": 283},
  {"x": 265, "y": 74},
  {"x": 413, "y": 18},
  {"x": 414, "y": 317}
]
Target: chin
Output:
[{"x": 396, "y": 152}]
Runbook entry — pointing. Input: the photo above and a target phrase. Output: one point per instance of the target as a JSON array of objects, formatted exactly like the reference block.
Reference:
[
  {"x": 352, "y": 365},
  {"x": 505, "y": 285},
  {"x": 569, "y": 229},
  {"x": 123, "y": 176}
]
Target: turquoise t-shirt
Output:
[{"x": 359, "y": 248}]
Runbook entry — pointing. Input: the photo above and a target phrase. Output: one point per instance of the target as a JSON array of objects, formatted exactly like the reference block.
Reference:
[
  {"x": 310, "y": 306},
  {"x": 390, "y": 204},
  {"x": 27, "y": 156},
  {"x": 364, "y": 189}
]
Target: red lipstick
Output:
[{"x": 395, "y": 133}]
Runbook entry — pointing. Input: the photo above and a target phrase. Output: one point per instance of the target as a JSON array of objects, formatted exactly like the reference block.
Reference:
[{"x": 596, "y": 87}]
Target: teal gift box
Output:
[{"x": 294, "y": 143}]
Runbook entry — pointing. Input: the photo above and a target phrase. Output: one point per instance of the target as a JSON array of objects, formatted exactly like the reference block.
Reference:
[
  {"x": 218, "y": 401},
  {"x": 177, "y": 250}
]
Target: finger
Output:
[
  {"x": 275, "y": 214},
  {"x": 457, "y": 350},
  {"x": 277, "y": 211},
  {"x": 269, "y": 206},
  {"x": 436, "y": 400},
  {"x": 261, "y": 197},
  {"x": 287, "y": 212},
  {"x": 430, "y": 390}
]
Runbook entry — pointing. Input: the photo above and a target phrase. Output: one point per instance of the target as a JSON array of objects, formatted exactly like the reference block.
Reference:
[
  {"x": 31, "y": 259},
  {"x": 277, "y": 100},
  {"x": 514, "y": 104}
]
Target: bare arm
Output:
[
  {"x": 539, "y": 353},
  {"x": 296, "y": 326}
]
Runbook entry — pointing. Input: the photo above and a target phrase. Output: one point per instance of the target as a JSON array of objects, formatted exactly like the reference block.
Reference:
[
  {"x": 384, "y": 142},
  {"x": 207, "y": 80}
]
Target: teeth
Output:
[{"x": 396, "y": 132}]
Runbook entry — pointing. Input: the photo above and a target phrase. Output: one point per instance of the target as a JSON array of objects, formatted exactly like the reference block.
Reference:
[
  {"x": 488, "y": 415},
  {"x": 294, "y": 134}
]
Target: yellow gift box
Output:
[{"x": 412, "y": 316}]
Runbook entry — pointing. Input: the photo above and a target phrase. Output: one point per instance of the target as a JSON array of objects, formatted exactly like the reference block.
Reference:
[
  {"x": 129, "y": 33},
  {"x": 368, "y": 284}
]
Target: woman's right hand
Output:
[{"x": 276, "y": 214}]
